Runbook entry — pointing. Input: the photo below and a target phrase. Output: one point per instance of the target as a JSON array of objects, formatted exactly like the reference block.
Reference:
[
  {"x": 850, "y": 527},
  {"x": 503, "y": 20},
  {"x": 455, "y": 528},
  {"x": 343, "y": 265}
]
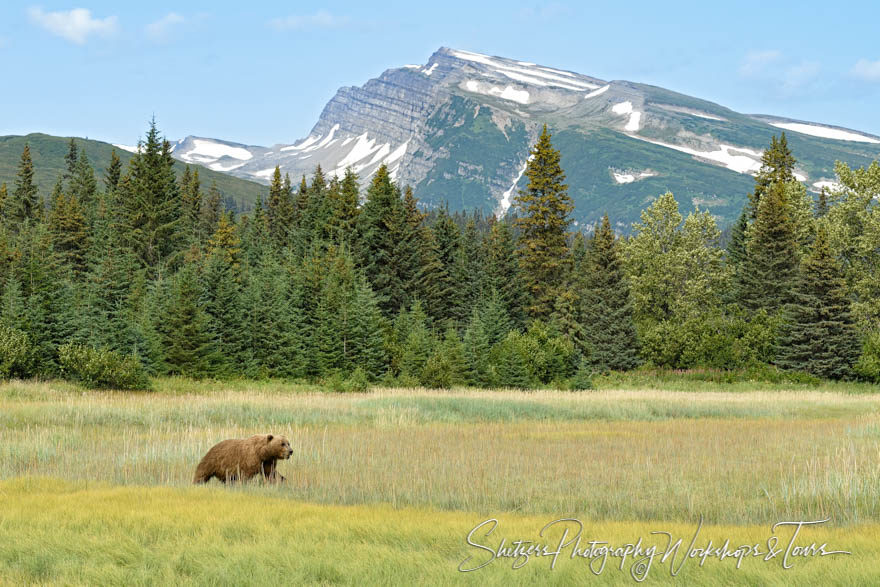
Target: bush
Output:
[
  {"x": 357, "y": 382},
  {"x": 868, "y": 365},
  {"x": 101, "y": 368},
  {"x": 16, "y": 354},
  {"x": 583, "y": 378},
  {"x": 714, "y": 339}
]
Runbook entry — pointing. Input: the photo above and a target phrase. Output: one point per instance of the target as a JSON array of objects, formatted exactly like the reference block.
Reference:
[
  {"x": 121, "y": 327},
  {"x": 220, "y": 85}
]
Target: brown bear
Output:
[{"x": 242, "y": 458}]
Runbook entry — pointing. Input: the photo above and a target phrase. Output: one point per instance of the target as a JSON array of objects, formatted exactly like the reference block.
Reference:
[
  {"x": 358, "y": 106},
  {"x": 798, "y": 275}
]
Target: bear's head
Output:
[{"x": 278, "y": 447}]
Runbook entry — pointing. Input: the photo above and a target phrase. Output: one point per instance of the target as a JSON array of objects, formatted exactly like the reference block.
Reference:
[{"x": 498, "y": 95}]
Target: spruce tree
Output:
[
  {"x": 150, "y": 204},
  {"x": 737, "y": 253},
  {"x": 543, "y": 246},
  {"x": 344, "y": 208},
  {"x": 83, "y": 186},
  {"x": 606, "y": 307},
  {"x": 819, "y": 334},
  {"x": 777, "y": 166},
  {"x": 279, "y": 209},
  {"x": 771, "y": 263},
  {"x": 25, "y": 203},
  {"x": 210, "y": 210},
  {"x": 70, "y": 160},
  {"x": 503, "y": 271},
  {"x": 69, "y": 229},
  {"x": 4, "y": 196},
  {"x": 190, "y": 202},
  {"x": 113, "y": 172},
  {"x": 190, "y": 348}
]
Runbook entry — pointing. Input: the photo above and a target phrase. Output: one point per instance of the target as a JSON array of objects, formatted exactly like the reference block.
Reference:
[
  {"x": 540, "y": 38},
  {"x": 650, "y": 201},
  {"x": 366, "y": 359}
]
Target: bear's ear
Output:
[{"x": 269, "y": 438}]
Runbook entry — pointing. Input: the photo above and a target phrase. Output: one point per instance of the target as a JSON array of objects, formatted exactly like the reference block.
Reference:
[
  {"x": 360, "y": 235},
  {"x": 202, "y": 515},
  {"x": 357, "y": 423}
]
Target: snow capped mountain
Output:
[{"x": 459, "y": 128}]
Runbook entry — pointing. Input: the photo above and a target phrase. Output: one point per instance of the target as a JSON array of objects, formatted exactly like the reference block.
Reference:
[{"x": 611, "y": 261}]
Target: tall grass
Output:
[
  {"x": 616, "y": 455},
  {"x": 79, "y": 533}
]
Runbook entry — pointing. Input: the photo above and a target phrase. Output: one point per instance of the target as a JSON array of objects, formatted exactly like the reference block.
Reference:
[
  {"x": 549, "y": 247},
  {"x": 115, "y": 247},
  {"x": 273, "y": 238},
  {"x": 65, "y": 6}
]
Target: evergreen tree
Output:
[
  {"x": 822, "y": 204},
  {"x": 777, "y": 166},
  {"x": 190, "y": 348},
  {"x": 69, "y": 229},
  {"x": 4, "y": 196},
  {"x": 543, "y": 246},
  {"x": 476, "y": 345},
  {"x": 819, "y": 335},
  {"x": 190, "y": 202},
  {"x": 210, "y": 210},
  {"x": 70, "y": 161},
  {"x": 25, "y": 203},
  {"x": 344, "y": 208},
  {"x": 503, "y": 272},
  {"x": 223, "y": 296},
  {"x": 737, "y": 253},
  {"x": 83, "y": 186},
  {"x": 279, "y": 209},
  {"x": 446, "y": 296},
  {"x": 607, "y": 310},
  {"x": 380, "y": 254},
  {"x": 151, "y": 203},
  {"x": 771, "y": 264},
  {"x": 113, "y": 172}
]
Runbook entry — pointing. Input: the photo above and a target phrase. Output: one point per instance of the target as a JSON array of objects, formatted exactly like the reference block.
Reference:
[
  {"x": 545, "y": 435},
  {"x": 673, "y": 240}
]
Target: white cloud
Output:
[
  {"x": 75, "y": 25},
  {"x": 319, "y": 20},
  {"x": 756, "y": 63},
  {"x": 802, "y": 74},
  {"x": 866, "y": 70},
  {"x": 161, "y": 29}
]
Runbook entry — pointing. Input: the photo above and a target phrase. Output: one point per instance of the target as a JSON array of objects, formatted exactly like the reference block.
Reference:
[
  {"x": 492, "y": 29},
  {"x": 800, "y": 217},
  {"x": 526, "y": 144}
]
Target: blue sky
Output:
[{"x": 260, "y": 73}]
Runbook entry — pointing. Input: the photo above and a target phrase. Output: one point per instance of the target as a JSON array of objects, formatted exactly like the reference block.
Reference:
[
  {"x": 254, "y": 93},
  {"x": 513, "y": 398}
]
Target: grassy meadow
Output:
[{"x": 384, "y": 487}]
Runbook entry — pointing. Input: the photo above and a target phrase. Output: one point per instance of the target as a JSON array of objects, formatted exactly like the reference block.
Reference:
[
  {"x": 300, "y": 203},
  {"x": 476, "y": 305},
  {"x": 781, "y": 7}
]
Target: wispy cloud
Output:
[
  {"x": 756, "y": 63},
  {"x": 75, "y": 25},
  {"x": 161, "y": 29},
  {"x": 866, "y": 70},
  {"x": 319, "y": 20},
  {"x": 779, "y": 73},
  {"x": 548, "y": 11}
]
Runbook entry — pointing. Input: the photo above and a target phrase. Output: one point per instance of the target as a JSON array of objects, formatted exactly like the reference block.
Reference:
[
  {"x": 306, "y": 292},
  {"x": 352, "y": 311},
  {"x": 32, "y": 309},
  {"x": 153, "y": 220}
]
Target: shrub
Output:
[
  {"x": 357, "y": 382},
  {"x": 16, "y": 354},
  {"x": 583, "y": 378},
  {"x": 868, "y": 365},
  {"x": 101, "y": 368}
]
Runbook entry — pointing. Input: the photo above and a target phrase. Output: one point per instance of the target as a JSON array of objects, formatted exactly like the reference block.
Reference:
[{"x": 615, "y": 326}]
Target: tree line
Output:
[{"x": 142, "y": 273}]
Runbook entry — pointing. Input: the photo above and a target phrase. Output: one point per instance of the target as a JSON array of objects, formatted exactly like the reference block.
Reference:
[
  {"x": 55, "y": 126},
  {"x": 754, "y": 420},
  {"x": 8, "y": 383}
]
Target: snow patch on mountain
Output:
[
  {"x": 508, "y": 93},
  {"x": 727, "y": 155},
  {"x": 504, "y": 204},
  {"x": 827, "y": 185},
  {"x": 825, "y": 132},
  {"x": 635, "y": 117},
  {"x": 128, "y": 148},
  {"x": 430, "y": 70},
  {"x": 598, "y": 92},
  {"x": 210, "y": 150},
  {"x": 528, "y": 73},
  {"x": 623, "y": 178}
]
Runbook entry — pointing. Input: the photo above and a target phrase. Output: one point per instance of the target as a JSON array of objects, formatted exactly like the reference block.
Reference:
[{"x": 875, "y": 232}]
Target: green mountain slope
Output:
[{"x": 48, "y": 155}]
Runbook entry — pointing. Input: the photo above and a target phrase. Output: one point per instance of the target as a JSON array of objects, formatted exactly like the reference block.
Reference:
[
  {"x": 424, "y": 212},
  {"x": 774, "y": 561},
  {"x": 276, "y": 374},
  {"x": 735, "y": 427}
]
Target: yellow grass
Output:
[
  {"x": 56, "y": 532},
  {"x": 383, "y": 487}
]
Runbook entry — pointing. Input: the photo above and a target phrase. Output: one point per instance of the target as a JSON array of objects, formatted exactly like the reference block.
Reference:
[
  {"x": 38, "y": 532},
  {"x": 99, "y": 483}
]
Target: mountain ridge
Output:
[{"x": 459, "y": 128}]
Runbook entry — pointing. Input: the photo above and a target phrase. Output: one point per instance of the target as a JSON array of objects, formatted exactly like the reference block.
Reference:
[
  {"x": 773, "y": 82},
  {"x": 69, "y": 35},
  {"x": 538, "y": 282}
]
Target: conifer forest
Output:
[{"x": 111, "y": 280}]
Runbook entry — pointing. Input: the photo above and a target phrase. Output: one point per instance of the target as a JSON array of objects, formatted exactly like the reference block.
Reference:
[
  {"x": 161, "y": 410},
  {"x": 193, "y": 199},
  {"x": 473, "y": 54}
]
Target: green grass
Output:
[
  {"x": 57, "y": 532},
  {"x": 384, "y": 486}
]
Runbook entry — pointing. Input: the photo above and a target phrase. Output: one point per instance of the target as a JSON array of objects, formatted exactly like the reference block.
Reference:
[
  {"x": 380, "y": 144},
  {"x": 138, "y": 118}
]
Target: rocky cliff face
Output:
[{"x": 459, "y": 128}]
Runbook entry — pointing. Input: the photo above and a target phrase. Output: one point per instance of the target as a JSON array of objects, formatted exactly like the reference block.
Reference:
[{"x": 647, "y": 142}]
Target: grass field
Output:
[{"x": 384, "y": 487}]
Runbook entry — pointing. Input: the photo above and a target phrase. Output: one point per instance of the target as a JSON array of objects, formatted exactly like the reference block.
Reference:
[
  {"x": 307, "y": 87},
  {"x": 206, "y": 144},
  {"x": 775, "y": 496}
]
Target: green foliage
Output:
[
  {"x": 545, "y": 207},
  {"x": 583, "y": 377},
  {"x": 868, "y": 365},
  {"x": 606, "y": 309},
  {"x": 101, "y": 368},
  {"x": 674, "y": 269},
  {"x": 819, "y": 334},
  {"x": 715, "y": 339},
  {"x": 16, "y": 354}
]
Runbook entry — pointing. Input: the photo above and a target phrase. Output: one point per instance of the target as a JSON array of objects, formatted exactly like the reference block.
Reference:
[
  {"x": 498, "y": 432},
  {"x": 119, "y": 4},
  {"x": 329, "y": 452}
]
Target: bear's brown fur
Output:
[{"x": 240, "y": 459}]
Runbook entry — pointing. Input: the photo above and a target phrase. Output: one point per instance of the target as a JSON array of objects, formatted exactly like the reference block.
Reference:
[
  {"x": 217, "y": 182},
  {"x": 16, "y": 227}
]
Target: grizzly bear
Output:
[{"x": 239, "y": 459}]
